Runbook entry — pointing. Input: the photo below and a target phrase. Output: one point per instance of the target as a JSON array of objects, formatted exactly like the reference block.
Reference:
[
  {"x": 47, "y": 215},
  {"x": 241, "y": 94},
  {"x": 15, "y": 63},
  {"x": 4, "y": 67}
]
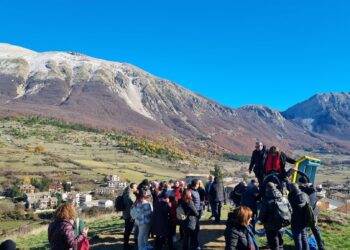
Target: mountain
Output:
[
  {"x": 112, "y": 95},
  {"x": 327, "y": 114}
]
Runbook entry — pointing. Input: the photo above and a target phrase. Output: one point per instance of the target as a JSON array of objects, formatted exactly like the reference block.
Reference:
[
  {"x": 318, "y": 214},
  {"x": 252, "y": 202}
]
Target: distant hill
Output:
[
  {"x": 112, "y": 95},
  {"x": 327, "y": 114}
]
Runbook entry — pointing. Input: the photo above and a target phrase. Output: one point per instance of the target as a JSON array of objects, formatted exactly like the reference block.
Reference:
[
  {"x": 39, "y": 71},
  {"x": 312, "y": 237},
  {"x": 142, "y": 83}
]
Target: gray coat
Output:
[{"x": 129, "y": 199}]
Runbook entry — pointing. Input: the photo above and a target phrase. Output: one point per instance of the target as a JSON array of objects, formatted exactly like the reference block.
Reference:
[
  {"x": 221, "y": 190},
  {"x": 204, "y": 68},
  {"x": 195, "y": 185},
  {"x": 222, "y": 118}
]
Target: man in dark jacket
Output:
[
  {"x": 274, "y": 230},
  {"x": 217, "y": 194},
  {"x": 207, "y": 192},
  {"x": 129, "y": 198},
  {"x": 257, "y": 161},
  {"x": 197, "y": 204},
  {"x": 298, "y": 200},
  {"x": 310, "y": 190},
  {"x": 236, "y": 194},
  {"x": 250, "y": 196}
]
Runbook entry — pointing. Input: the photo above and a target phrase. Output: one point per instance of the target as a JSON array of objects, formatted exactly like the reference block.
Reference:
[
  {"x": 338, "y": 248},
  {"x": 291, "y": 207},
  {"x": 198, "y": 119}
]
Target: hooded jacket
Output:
[
  {"x": 268, "y": 208},
  {"x": 249, "y": 197},
  {"x": 298, "y": 201},
  {"x": 312, "y": 193}
]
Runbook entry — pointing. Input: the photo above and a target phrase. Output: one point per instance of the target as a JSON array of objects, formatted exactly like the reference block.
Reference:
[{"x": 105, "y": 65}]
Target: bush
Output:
[
  {"x": 236, "y": 157},
  {"x": 40, "y": 149}
]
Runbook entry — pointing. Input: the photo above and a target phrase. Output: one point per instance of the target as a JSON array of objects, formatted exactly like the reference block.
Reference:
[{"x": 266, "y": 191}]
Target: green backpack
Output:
[{"x": 310, "y": 219}]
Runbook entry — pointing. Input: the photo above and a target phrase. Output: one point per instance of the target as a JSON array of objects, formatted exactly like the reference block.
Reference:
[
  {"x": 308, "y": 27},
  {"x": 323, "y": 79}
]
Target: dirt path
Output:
[{"x": 210, "y": 237}]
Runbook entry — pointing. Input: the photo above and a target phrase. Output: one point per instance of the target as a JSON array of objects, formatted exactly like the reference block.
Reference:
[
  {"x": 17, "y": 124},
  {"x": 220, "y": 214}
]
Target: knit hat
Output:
[
  {"x": 154, "y": 184},
  {"x": 303, "y": 180}
]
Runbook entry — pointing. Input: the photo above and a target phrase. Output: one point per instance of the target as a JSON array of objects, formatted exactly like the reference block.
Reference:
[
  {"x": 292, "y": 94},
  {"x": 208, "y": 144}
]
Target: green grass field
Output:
[
  {"x": 89, "y": 155},
  {"x": 106, "y": 233},
  {"x": 13, "y": 224}
]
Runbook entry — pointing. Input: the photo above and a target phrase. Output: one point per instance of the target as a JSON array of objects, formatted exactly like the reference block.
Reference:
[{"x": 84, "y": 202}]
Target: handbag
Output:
[
  {"x": 191, "y": 222},
  {"x": 84, "y": 245},
  {"x": 180, "y": 214}
]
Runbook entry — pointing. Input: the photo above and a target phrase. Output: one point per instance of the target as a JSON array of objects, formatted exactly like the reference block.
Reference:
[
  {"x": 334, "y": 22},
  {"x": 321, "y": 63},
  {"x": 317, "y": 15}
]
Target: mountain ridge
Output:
[
  {"x": 325, "y": 113},
  {"x": 79, "y": 88}
]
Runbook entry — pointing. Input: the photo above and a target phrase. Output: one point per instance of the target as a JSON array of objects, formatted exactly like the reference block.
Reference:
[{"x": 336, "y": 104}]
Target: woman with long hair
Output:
[
  {"x": 202, "y": 194},
  {"x": 238, "y": 234},
  {"x": 61, "y": 230},
  {"x": 142, "y": 213}
]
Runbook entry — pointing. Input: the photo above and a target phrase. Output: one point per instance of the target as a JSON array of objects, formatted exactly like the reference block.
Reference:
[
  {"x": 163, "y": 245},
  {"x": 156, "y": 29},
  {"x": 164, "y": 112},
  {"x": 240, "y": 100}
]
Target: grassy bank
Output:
[{"x": 106, "y": 233}]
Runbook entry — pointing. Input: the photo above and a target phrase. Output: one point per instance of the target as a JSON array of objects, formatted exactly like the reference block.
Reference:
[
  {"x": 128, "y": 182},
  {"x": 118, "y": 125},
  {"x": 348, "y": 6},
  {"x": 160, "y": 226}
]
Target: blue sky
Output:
[{"x": 275, "y": 53}]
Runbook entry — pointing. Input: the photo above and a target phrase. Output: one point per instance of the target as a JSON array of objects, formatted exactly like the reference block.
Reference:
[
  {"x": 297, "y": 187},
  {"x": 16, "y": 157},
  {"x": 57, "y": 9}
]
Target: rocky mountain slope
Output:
[
  {"x": 328, "y": 114},
  {"x": 119, "y": 96}
]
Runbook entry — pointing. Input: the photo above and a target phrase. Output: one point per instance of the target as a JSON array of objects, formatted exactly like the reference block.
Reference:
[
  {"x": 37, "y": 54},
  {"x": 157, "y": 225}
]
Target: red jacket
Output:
[{"x": 273, "y": 163}]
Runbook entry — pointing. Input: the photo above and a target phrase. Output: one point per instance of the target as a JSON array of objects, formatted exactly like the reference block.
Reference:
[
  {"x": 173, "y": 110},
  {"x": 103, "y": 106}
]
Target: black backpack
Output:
[
  {"x": 282, "y": 213},
  {"x": 119, "y": 203}
]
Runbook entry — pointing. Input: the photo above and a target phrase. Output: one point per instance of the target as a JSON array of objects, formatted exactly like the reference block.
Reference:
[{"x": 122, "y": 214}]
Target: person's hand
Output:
[{"x": 86, "y": 230}]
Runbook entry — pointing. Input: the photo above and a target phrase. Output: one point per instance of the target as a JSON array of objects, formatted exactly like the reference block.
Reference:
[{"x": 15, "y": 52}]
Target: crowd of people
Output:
[{"x": 159, "y": 210}]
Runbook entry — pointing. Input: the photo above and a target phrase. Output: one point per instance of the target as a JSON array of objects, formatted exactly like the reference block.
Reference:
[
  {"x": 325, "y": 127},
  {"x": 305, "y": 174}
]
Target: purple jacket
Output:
[{"x": 61, "y": 235}]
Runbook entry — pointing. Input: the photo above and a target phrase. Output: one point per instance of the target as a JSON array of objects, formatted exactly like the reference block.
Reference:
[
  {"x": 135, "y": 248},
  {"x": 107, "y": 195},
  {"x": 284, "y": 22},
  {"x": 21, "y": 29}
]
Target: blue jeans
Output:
[
  {"x": 300, "y": 238},
  {"x": 316, "y": 232},
  {"x": 142, "y": 238}
]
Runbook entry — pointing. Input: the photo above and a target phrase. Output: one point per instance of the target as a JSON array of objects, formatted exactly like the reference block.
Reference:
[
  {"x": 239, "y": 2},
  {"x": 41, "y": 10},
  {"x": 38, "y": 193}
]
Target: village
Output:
[
  {"x": 330, "y": 196},
  {"x": 58, "y": 192}
]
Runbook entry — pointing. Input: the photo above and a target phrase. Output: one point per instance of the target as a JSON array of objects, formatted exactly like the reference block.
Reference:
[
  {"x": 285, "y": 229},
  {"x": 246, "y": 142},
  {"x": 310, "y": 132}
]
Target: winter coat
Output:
[
  {"x": 236, "y": 194},
  {"x": 249, "y": 197},
  {"x": 192, "y": 215},
  {"x": 238, "y": 237},
  {"x": 196, "y": 199},
  {"x": 202, "y": 195},
  {"x": 298, "y": 201},
  {"x": 312, "y": 193},
  {"x": 129, "y": 199},
  {"x": 160, "y": 218},
  {"x": 282, "y": 160},
  {"x": 173, "y": 207},
  {"x": 257, "y": 162},
  {"x": 268, "y": 208},
  {"x": 61, "y": 235},
  {"x": 208, "y": 186},
  {"x": 217, "y": 192}
]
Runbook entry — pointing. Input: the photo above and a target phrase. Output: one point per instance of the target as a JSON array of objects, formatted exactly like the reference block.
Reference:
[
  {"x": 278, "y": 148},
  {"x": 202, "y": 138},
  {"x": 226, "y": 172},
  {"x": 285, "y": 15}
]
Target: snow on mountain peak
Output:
[
  {"x": 9, "y": 50},
  {"x": 36, "y": 68}
]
